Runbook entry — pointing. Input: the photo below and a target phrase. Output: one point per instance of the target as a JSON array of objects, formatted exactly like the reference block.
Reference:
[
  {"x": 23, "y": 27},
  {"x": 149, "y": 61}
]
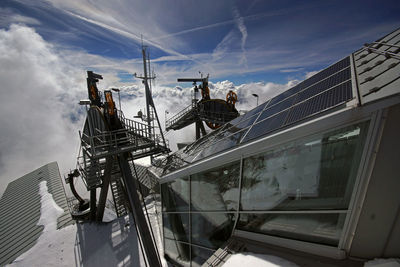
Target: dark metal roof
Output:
[
  {"x": 20, "y": 211},
  {"x": 378, "y": 67}
]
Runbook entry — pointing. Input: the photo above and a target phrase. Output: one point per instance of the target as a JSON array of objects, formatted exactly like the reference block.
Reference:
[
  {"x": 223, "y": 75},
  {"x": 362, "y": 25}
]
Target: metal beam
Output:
[
  {"x": 140, "y": 219},
  {"x": 192, "y": 79},
  {"x": 93, "y": 204},
  {"x": 104, "y": 189}
]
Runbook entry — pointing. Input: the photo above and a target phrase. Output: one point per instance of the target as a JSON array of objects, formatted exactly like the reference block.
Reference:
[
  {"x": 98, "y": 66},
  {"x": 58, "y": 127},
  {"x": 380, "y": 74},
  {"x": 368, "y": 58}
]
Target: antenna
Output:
[{"x": 149, "y": 98}]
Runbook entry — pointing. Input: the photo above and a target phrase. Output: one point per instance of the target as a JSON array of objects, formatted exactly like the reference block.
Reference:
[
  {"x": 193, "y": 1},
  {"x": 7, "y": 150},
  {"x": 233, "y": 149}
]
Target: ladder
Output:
[{"x": 119, "y": 196}]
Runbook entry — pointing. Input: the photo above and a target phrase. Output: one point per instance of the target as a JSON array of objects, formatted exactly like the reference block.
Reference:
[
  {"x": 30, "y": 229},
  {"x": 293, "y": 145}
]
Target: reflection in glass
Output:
[
  {"x": 200, "y": 256},
  {"x": 175, "y": 195},
  {"x": 176, "y": 252},
  {"x": 317, "y": 228},
  {"x": 216, "y": 189},
  {"x": 266, "y": 126},
  {"x": 211, "y": 230},
  {"x": 176, "y": 226},
  {"x": 225, "y": 143},
  {"x": 313, "y": 173},
  {"x": 252, "y": 112}
]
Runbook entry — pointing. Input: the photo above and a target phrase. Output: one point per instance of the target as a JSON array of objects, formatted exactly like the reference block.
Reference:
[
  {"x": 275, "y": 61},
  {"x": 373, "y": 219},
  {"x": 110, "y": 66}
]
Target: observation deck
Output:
[{"x": 135, "y": 138}]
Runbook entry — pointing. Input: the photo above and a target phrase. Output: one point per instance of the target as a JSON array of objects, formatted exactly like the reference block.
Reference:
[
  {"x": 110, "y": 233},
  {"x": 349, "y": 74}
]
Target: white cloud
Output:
[
  {"x": 291, "y": 70},
  {"x": 243, "y": 30},
  {"x": 39, "y": 96},
  {"x": 246, "y": 101},
  {"x": 311, "y": 73},
  {"x": 42, "y": 84}
]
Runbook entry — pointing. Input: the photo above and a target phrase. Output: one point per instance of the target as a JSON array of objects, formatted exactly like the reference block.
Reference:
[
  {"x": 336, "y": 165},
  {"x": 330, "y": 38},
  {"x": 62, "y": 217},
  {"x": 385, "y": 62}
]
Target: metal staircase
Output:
[
  {"x": 135, "y": 138},
  {"x": 119, "y": 197},
  {"x": 109, "y": 145},
  {"x": 184, "y": 118}
]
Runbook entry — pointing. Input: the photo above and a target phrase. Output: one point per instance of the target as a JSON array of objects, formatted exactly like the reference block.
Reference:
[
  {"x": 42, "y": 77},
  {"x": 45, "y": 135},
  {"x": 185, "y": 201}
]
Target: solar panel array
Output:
[{"x": 323, "y": 91}]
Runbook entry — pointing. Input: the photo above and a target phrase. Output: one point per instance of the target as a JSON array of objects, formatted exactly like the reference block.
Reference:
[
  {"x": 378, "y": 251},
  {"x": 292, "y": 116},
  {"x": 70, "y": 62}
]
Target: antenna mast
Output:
[{"x": 149, "y": 98}]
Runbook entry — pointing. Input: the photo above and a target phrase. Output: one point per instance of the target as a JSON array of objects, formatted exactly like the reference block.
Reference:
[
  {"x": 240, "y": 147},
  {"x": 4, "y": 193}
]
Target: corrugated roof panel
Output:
[
  {"x": 378, "y": 68},
  {"x": 20, "y": 211}
]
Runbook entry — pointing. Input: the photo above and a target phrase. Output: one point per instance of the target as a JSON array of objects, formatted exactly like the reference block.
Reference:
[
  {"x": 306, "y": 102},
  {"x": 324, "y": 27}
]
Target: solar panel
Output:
[
  {"x": 310, "y": 97},
  {"x": 287, "y": 103},
  {"x": 327, "y": 89},
  {"x": 236, "y": 125},
  {"x": 324, "y": 84},
  {"x": 322, "y": 91},
  {"x": 321, "y": 102},
  {"x": 226, "y": 143},
  {"x": 284, "y": 95},
  {"x": 266, "y": 126}
]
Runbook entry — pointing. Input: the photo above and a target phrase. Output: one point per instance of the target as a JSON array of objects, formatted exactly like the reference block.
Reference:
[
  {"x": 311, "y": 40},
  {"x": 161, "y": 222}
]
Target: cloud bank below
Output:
[{"x": 42, "y": 84}]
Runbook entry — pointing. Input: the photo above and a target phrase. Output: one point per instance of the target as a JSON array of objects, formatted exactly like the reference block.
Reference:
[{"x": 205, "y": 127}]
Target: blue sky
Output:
[
  {"x": 251, "y": 46},
  {"x": 241, "y": 41}
]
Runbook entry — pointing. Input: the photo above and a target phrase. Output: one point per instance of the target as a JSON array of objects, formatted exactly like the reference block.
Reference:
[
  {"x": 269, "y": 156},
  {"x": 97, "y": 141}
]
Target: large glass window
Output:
[
  {"x": 206, "y": 223},
  {"x": 300, "y": 190},
  {"x": 211, "y": 230},
  {"x": 177, "y": 252},
  {"x": 316, "y": 228},
  {"x": 175, "y": 195},
  {"x": 200, "y": 256},
  {"x": 312, "y": 174},
  {"x": 176, "y": 226},
  {"x": 217, "y": 189}
]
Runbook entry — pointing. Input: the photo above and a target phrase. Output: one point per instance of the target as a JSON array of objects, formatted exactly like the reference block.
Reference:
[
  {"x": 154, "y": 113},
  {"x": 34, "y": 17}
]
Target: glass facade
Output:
[
  {"x": 216, "y": 190},
  {"x": 300, "y": 190},
  {"x": 199, "y": 213}
]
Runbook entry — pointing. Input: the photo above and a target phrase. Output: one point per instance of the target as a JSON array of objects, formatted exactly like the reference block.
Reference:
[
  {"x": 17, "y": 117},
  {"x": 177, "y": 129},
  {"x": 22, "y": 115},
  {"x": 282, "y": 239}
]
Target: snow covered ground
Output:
[
  {"x": 262, "y": 260},
  {"x": 89, "y": 244},
  {"x": 54, "y": 247},
  {"x": 115, "y": 243},
  {"x": 259, "y": 260},
  {"x": 383, "y": 263}
]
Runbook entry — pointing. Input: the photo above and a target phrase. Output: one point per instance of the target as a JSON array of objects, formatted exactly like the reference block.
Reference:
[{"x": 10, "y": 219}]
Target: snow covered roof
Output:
[{"x": 20, "y": 211}]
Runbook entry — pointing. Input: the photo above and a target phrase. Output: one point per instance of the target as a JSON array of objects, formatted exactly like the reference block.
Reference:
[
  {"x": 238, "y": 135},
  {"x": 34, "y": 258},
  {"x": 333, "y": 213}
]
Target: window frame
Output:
[{"x": 330, "y": 122}]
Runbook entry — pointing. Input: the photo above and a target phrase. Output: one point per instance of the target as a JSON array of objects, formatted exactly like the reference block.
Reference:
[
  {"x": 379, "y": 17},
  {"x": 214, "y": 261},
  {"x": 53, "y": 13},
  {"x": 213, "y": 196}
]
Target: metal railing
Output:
[
  {"x": 133, "y": 135},
  {"x": 137, "y": 128},
  {"x": 180, "y": 114},
  {"x": 386, "y": 53}
]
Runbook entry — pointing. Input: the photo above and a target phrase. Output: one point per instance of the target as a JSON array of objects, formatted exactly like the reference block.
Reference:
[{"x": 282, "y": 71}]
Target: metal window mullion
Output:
[
  {"x": 186, "y": 243},
  {"x": 345, "y": 235},
  {"x": 239, "y": 194},
  {"x": 190, "y": 220},
  {"x": 363, "y": 176},
  {"x": 162, "y": 218},
  {"x": 200, "y": 212},
  {"x": 292, "y": 211}
]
